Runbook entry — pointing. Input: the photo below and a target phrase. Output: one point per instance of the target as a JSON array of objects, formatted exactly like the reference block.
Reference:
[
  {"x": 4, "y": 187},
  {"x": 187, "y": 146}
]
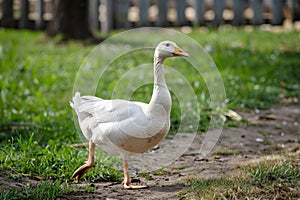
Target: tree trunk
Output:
[{"x": 70, "y": 19}]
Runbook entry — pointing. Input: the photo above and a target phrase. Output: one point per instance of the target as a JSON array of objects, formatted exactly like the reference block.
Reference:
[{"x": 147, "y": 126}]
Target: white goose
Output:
[{"x": 124, "y": 127}]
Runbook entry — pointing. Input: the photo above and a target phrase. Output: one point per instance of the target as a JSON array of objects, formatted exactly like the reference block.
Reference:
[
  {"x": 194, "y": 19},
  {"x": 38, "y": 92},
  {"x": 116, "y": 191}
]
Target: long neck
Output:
[
  {"x": 159, "y": 75},
  {"x": 161, "y": 95}
]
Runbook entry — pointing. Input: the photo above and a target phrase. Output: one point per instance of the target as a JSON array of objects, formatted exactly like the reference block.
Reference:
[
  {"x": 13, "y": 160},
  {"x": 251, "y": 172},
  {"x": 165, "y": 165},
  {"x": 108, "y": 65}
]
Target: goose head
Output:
[{"x": 167, "y": 49}]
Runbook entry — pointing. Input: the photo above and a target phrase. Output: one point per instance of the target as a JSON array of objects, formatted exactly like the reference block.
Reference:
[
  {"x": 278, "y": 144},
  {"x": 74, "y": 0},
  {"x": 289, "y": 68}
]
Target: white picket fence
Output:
[{"x": 106, "y": 15}]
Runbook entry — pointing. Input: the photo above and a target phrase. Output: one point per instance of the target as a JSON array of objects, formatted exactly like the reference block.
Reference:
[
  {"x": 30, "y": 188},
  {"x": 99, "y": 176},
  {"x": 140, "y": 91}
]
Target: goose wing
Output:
[{"x": 118, "y": 123}]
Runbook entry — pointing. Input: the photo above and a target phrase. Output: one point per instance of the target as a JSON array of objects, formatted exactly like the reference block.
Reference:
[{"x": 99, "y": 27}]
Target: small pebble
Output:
[
  {"x": 217, "y": 157},
  {"x": 295, "y": 123},
  {"x": 259, "y": 140}
]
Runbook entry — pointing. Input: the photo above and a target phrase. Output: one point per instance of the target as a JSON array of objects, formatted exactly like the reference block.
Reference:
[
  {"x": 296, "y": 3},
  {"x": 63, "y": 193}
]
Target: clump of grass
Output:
[
  {"x": 145, "y": 175},
  {"x": 212, "y": 188},
  {"x": 181, "y": 167},
  {"x": 160, "y": 172},
  {"x": 265, "y": 180},
  {"x": 49, "y": 190},
  {"x": 149, "y": 175},
  {"x": 90, "y": 188},
  {"x": 11, "y": 194},
  {"x": 45, "y": 190},
  {"x": 285, "y": 173},
  {"x": 225, "y": 152}
]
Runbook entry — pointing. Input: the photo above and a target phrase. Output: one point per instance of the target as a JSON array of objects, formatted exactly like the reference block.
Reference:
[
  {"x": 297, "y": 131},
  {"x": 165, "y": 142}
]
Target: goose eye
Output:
[{"x": 167, "y": 45}]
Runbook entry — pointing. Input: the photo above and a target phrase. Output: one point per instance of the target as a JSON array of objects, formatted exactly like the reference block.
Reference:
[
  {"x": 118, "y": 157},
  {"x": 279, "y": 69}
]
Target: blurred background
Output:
[{"x": 79, "y": 18}]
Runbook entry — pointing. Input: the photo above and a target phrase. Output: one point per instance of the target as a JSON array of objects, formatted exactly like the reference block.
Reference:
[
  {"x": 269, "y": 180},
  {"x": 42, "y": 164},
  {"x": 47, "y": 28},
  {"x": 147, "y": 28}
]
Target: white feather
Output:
[{"x": 124, "y": 127}]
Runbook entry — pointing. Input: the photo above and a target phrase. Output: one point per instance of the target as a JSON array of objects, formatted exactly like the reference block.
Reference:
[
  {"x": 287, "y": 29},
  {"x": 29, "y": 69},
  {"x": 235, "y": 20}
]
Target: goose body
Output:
[
  {"x": 120, "y": 126},
  {"x": 125, "y": 127}
]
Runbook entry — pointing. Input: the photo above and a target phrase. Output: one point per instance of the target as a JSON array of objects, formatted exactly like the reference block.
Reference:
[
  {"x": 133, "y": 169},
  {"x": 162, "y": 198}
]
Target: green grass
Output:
[
  {"x": 36, "y": 83},
  {"x": 55, "y": 161},
  {"x": 278, "y": 174},
  {"x": 149, "y": 175},
  {"x": 146, "y": 175},
  {"x": 256, "y": 66},
  {"x": 225, "y": 152},
  {"x": 46, "y": 190}
]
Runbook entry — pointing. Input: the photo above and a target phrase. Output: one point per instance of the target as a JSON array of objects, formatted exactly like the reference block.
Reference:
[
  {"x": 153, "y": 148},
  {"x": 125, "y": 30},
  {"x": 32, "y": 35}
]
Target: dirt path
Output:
[{"x": 268, "y": 132}]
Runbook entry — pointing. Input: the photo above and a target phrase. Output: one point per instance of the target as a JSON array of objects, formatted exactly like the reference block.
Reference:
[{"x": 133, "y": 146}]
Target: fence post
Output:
[
  {"x": 23, "y": 22},
  {"x": 39, "y": 11},
  {"x": 7, "y": 13},
  {"x": 121, "y": 13},
  {"x": 144, "y": 6},
  {"x": 180, "y": 8},
  {"x": 162, "y": 12},
  {"x": 277, "y": 12},
  {"x": 238, "y": 9},
  {"x": 93, "y": 13},
  {"x": 295, "y": 9},
  {"x": 107, "y": 24},
  {"x": 218, "y": 9},
  {"x": 199, "y": 6},
  {"x": 257, "y": 6}
]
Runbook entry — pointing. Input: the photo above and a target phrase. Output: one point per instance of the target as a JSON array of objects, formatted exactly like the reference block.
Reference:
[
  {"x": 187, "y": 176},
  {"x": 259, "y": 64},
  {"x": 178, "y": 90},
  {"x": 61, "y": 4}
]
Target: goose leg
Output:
[
  {"x": 126, "y": 183},
  {"x": 89, "y": 164}
]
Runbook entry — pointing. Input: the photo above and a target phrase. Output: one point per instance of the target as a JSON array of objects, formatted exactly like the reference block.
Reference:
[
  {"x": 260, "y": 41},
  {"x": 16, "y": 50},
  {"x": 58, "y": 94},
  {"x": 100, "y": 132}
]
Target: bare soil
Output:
[{"x": 268, "y": 132}]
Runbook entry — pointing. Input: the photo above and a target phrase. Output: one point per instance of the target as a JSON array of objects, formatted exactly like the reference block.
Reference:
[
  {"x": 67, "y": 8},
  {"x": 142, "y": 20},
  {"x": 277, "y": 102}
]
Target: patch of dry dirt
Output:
[{"x": 268, "y": 132}]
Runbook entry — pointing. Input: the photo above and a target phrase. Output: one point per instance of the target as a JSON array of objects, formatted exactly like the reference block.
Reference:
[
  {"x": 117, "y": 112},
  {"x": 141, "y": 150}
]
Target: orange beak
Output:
[{"x": 180, "y": 52}]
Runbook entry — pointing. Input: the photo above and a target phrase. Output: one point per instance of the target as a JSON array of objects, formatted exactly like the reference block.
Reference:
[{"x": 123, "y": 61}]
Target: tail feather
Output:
[
  {"x": 75, "y": 103},
  {"x": 79, "y": 104}
]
